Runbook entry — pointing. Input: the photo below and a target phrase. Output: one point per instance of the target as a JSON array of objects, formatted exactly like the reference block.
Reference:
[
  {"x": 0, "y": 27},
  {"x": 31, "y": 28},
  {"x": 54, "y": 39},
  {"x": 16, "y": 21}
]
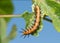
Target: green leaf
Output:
[
  {"x": 11, "y": 36},
  {"x": 54, "y": 13},
  {"x": 55, "y": 19},
  {"x": 55, "y": 6},
  {"x": 49, "y": 7},
  {"x": 28, "y": 17},
  {"x": 6, "y": 8},
  {"x": 3, "y": 26},
  {"x": 13, "y": 33}
]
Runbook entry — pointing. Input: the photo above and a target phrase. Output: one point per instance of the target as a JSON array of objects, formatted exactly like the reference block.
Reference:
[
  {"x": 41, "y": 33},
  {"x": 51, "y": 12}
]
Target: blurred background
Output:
[{"x": 47, "y": 35}]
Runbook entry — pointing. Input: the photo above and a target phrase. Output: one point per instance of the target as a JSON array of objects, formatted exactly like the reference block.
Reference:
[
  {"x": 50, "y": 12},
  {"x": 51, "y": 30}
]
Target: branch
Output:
[
  {"x": 47, "y": 19},
  {"x": 9, "y": 16}
]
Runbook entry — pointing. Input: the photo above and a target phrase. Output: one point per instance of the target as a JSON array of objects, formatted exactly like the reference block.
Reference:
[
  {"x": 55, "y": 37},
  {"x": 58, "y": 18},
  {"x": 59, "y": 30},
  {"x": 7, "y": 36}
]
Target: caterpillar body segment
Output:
[{"x": 36, "y": 23}]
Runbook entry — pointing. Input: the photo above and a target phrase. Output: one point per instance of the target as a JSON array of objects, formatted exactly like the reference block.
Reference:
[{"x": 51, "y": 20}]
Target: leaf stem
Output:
[{"x": 1, "y": 16}]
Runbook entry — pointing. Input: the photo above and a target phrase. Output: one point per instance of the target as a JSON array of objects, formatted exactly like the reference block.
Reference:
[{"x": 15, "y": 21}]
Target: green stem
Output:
[{"x": 1, "y": 16}]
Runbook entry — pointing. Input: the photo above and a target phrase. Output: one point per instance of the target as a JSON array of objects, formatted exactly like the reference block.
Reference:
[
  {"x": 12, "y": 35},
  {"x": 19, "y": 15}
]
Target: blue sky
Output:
[{"x": 47, "y": 35}]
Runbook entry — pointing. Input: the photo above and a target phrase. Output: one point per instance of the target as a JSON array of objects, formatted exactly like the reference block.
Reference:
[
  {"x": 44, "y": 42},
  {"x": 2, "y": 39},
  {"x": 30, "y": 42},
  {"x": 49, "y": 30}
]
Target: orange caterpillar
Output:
[{"x": 36, "y": 23}]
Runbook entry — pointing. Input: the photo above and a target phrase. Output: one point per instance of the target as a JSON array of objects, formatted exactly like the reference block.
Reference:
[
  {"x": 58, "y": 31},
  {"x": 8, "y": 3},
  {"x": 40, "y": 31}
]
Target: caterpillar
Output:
[{"x": 36, "y": 22}]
